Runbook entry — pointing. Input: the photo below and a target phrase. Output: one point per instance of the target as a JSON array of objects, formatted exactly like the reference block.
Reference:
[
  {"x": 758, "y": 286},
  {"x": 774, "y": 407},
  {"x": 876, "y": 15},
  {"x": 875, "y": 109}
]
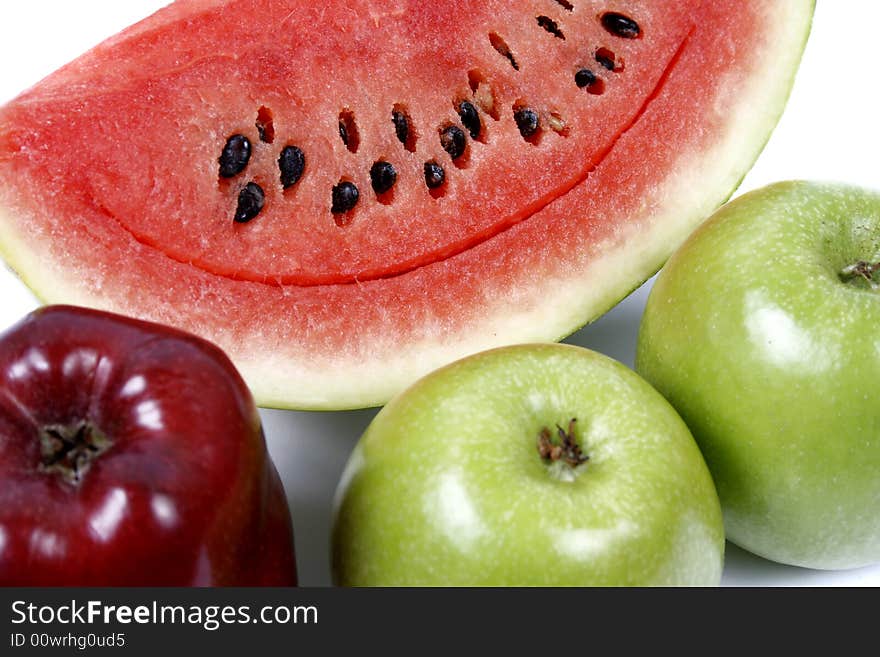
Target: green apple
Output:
[
  {"x": 763, "y": 331},
  {"x": 528, "y": 465}
]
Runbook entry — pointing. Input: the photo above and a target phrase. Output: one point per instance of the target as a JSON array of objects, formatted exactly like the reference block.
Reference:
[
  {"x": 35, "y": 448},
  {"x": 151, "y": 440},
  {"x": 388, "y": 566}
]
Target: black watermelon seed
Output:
[
  {"x": 453, "y": 141},
  {"x": 235, "y": 156},
  {"x": 401, "y": 126},
  {"x": 345, "y": 197},
  {"x": 250, "y": 202},
  {"x": 620, "y": 25},
  {"x": 526, "y": 120},
  {"x": 551, "y": 26},
  {"x": 343, "y": 133},
  {"x": 292, "y": 163},
  {"x": 584, "y": 78},
  {"x": 604, "y": 59},
  {"x": 434, "y": 175},
  {"x": 383, "y": 175},
  {"x": 470, "y": 118}
]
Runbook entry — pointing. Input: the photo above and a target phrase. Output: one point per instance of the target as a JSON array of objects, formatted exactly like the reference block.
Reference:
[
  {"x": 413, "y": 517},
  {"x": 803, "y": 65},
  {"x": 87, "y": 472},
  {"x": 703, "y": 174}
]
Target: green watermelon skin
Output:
[{"x": 528, "y": 241}]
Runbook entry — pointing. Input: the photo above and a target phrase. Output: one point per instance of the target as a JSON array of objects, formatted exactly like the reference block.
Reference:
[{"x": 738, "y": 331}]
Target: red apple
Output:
[{"x": 132, "y": 454}]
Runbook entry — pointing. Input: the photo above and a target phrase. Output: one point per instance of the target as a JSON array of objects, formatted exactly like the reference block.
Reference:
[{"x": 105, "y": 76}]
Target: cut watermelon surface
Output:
[{"x": 345, "y": 196}]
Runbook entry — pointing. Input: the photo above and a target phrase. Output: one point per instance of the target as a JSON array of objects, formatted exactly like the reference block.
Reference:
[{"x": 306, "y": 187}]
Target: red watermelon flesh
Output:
[{"x": 557, "y": 201}]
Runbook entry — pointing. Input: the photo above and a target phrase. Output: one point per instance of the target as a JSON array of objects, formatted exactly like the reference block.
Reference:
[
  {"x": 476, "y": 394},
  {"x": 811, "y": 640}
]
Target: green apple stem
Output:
[
  {"x": 566, "y": 450},
  {"x": 861, "y": 269},
  {"x": 69, "y": 450}
]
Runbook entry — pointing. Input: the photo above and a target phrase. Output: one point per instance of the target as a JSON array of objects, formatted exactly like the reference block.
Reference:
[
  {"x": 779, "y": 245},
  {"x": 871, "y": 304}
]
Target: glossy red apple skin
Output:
[{"x": 185, "y": 495}]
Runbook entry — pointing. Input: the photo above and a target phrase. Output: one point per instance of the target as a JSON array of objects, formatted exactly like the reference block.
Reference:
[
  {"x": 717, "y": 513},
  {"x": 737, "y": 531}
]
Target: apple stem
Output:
[
  {"x": 862, "y": 269},
  {"x": 566, "y": 450},
  {"x": 69, "y": 450}
]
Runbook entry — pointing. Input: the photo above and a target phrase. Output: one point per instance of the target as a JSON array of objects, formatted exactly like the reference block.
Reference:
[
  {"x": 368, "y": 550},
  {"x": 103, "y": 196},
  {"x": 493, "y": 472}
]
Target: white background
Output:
[{"x": 829, "y": 131}]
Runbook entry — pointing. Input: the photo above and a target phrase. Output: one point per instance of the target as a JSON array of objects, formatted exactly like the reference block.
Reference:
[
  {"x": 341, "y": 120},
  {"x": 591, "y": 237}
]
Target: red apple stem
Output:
[
  {"x": 69, "y": 450},
  {"x": 566, "y": 449}
]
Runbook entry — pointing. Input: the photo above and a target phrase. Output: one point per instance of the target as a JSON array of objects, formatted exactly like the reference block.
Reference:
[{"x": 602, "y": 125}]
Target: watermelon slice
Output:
[{"x": 346, "y": 195}]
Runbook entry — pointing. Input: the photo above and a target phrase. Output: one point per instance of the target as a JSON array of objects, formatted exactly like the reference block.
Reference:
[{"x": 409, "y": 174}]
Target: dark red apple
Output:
[{"x": 132, "y": 454}]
